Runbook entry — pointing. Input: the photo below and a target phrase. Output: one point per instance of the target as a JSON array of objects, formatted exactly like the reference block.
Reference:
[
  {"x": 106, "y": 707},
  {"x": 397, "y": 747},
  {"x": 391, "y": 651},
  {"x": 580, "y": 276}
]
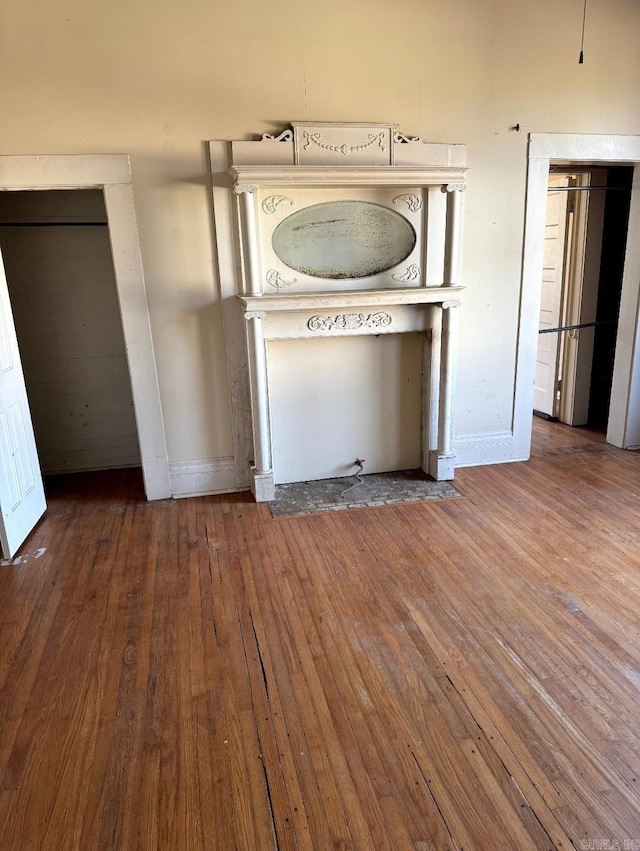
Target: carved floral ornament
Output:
[
  {"x": 349, "y": 321},
  {"x": 413, "y": 202}
]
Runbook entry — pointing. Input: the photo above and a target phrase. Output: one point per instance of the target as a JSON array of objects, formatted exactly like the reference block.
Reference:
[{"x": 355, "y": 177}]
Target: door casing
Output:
[
  {"x": 546, "y": 149},
  {"x": 112, "y": 175}
]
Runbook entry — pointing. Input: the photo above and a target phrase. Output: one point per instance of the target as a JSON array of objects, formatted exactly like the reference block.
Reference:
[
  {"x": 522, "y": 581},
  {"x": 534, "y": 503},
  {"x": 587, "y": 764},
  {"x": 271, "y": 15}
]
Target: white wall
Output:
[
  {"x": 65, "y": 307},
  {"x": 157, "y": 80}
]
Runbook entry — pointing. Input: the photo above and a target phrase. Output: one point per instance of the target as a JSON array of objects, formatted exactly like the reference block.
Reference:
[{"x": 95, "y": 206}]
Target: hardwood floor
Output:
[{"x": 463, "y": 674}]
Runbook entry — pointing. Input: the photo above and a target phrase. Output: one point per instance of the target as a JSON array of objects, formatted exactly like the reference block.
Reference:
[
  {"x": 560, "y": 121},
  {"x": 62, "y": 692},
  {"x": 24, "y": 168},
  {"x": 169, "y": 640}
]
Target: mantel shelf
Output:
[
  {"x": 350, "y": 299},
  {"x": 389, "y": 175}
]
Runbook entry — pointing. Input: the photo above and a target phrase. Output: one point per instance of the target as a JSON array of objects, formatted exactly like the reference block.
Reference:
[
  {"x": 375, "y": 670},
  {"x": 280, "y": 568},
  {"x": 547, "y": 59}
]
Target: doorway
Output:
[
  {"x": 112, "y": 175},
  {"x": 545, "y": 151},
  {"x": 587, "y": 214},
  {"x": 20, "y": 479},
  {"x": 57, "y": 258}
]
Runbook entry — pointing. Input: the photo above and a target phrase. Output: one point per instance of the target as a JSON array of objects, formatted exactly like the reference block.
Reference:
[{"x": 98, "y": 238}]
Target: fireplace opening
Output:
[{"x": 334, "y": 400}]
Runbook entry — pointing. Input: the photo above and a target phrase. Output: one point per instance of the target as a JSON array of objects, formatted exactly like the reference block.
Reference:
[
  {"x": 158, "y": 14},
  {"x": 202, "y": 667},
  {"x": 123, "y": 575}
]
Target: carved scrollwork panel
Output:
[
  {"x": 401, "y": 139},
  {"x": 411, "y": 273},
  {"x": 275, "y": 280},
  {"x": 271, "y": 204},
  {"x": 349, "y": 321},
  {"x": 413, "y": 202},
  {"x": 285, "y": 136}
]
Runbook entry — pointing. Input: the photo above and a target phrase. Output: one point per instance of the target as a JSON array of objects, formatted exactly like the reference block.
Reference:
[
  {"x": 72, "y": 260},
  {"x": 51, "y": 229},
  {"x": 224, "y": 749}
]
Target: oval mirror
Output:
[{"x": 343, "y": 239}]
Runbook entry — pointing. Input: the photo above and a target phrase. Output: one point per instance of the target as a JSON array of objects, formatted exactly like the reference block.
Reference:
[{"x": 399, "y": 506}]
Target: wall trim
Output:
[
  {"x": 203, "y": 477},
  {"x": 496, "y": 447}
]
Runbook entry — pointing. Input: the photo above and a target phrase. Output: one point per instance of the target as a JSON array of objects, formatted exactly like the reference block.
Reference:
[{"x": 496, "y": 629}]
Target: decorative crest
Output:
[{"x": 285, "y": 136}]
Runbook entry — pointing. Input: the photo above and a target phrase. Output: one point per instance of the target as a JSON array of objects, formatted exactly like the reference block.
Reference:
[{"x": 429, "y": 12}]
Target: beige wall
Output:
[{"x": 157, "y": 79}]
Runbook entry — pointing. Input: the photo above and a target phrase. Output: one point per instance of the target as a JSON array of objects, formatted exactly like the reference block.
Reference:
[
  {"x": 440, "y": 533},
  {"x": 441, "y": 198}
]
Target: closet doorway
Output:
[
  {"x": 110, "y": 175},
  {"x": 57, "y": 259},
  {"x": 585, "y": 235}
]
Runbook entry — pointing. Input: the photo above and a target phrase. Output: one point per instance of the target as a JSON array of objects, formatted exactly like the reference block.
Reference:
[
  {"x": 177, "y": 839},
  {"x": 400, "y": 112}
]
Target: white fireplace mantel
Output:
[
  {"x": 314, "y": 163},
  {"x": 252, "y": 175}
]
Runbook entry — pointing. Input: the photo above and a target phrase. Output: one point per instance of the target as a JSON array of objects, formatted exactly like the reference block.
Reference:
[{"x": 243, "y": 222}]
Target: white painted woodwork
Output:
[
  {"x": 581, "y": 299},
  {"x": 623, "y": 428},
  {"x": 333, "y": 142},
  {"x": 545, "y": 392},
  {"x": 249, "y": 236},
  {"x": 435, "y": 237},
  {"x": 401, "y": 299},
  {"x": 68, "y": 324},
  {"x": 22, "y": 500},
  {"x": 203, "y": 477},
  {"x": 111, "y": 173},
  {"x": 566, "y": 148},
  {"x": 442, "y": 461},
  {"x": 350, "y": 314},
  {"x": 345, "y": 175},
  {"x": 452, "y": 233},
  {"x": 261, "y": 469}
]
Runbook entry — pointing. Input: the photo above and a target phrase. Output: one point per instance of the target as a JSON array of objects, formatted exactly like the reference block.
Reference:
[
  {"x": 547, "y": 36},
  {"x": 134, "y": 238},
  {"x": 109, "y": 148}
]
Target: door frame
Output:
[
  {"x": 112, "y": 175},
  {"x": 568, "y": 149},
  {"x": 581, "y": 297},
  {"x": 558, "y": 291}
]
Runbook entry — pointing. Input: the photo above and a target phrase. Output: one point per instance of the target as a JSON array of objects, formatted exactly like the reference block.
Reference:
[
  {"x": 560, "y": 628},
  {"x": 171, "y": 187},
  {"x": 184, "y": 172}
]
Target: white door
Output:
[
  {"x": 547, "y": 361},
  {"x": 22, "y": 501}
]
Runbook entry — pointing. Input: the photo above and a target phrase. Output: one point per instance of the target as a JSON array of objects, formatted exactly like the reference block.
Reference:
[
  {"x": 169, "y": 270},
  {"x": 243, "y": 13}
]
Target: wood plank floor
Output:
[{"x": 456, "y": 675}]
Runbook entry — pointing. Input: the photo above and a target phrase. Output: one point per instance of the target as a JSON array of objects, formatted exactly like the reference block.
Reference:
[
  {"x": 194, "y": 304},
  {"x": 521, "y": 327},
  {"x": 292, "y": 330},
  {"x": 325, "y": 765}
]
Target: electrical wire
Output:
[
  {"x": 584, "y": 20},
  {"x": 359, "y": 462}
]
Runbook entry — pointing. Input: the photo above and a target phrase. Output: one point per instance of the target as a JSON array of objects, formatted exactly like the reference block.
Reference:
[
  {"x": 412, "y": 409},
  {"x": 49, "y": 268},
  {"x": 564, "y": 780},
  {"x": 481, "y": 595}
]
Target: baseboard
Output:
[
  {"x": 203, "y": 477},
  {"x": 498, "y": 447},
  {"x": 218, "y": 475}
]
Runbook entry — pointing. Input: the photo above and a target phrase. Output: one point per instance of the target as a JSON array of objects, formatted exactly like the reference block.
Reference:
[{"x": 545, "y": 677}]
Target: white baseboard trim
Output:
[
  {"x": 203, "y": 477},
  {"x": 498, "y": 447},
  {"x": 218, "y": 475}
]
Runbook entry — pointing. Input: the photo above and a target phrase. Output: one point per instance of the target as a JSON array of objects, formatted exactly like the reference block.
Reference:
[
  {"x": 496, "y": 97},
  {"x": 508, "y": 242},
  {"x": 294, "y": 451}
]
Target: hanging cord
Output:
[
  {"x": 359, "y": 462},
  {"x": 584, "y": 20}
]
